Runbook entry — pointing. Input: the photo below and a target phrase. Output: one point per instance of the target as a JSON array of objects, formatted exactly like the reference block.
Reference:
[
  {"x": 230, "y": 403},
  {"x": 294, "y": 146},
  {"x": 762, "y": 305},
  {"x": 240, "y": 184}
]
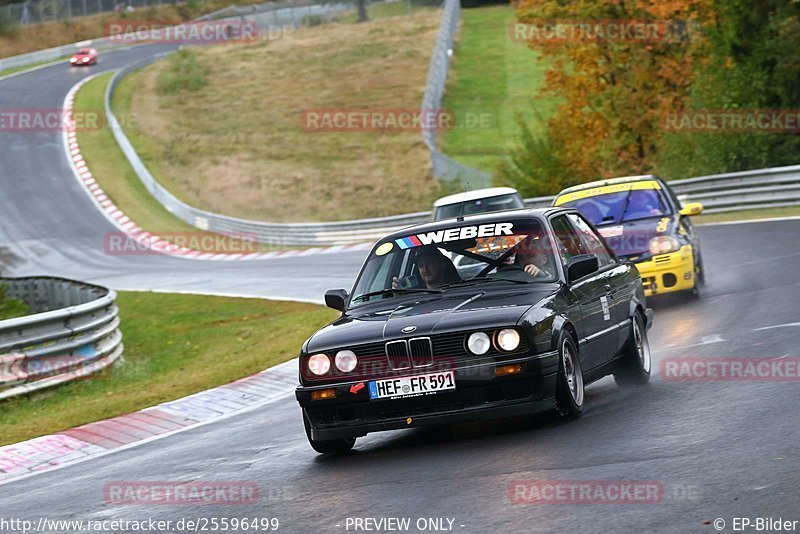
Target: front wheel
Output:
[
  {"x": 569, "y": 382},
  {"x": 327, "y": 446},
  {"x": 633, "y": 368}
]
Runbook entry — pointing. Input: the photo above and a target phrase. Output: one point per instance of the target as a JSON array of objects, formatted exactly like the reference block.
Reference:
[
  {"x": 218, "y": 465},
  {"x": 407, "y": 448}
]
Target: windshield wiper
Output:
[
  {"x": 389, "y": 290},
  {"x": 627, "y": 203}
]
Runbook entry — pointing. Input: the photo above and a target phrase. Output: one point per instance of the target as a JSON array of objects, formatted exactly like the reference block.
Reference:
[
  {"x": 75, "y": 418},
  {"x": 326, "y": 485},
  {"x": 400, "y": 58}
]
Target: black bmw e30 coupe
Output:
[{"x": 480, "y": 317}]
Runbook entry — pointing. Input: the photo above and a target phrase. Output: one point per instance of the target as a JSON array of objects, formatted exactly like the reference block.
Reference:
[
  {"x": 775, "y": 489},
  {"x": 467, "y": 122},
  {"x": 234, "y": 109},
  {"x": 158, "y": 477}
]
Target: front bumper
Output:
[
  {"x": 667, "y": 273},
  {"x": 479, "y": 394}
]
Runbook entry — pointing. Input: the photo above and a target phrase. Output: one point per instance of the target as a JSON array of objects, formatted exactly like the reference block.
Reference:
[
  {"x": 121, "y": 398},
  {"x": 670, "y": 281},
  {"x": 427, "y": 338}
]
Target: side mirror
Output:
[
  {"x": 692, "y": 208},
  {"x": 334, "y": 298},
  {"x": 580, "y": 266}
]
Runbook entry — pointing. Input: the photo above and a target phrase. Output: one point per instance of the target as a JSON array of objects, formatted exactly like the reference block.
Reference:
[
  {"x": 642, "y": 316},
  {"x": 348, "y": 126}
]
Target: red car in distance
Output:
[{"x": 84, "y": 56}]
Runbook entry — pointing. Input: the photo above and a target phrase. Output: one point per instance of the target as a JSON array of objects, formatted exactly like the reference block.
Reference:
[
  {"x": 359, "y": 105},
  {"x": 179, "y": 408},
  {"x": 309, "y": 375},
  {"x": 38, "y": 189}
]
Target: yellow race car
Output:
[{"x": 643, "y": 221}]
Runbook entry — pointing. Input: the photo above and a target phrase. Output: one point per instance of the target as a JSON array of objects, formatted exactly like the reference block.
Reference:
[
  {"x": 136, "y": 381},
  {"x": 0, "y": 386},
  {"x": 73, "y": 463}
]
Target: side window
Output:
[
  {"x": 567, "y": 241},
  {"x": 591, "y": 241}
]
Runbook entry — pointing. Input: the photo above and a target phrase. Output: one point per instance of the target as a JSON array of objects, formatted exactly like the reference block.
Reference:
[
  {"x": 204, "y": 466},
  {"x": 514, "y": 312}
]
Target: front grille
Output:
[
  {"x": 661, "y": 260},
  {"x": 404, "y": 354},
  {"x": 397, "y": 353},
  {"x": 421, "y": 350}
]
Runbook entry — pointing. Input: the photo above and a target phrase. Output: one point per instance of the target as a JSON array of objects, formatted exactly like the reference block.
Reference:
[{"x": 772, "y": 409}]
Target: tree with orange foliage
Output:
[{"x": 619, "y": 66}]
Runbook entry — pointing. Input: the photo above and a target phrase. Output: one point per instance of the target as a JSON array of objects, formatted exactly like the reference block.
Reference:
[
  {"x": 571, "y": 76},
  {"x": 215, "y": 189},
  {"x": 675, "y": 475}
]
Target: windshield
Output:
[
  {"x": 511, "y": 201},
  {"x": 621, "y": 206},
  {"x": 506, "y": 252},
  {"x": 84, "y": 51}
]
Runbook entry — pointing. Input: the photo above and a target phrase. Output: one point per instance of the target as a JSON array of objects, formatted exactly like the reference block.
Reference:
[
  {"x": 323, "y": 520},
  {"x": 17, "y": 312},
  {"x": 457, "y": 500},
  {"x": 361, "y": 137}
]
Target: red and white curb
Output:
[
  {"x": 46, "y": 453},
  {"x": 146, "y": 239}
]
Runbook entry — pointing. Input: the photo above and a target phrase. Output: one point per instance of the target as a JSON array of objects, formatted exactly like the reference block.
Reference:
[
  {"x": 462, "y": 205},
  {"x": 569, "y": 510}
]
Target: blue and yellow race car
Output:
[{"x": 643, "y": 221}]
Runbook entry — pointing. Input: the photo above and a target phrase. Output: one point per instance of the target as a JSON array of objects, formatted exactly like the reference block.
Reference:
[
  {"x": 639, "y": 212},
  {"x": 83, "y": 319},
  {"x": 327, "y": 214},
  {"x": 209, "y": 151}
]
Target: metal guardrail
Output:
[{"x": 73, "y": 334}]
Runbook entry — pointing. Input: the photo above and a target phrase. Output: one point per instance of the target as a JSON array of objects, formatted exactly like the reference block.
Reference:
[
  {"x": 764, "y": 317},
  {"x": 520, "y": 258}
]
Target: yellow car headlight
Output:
[{"x": 663, "y": 244}]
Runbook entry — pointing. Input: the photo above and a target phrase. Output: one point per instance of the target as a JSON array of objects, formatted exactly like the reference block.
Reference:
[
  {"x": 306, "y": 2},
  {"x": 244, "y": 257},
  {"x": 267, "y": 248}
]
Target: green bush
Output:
[
  {"x": 312, "y": 20},
  {"x": 11, "y": 307},
  {"x": 535, "y": 167},
  {"x": 184, "y": 73}
]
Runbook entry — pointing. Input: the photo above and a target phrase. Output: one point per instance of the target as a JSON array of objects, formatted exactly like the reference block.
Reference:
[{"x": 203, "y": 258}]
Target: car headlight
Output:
[
  {"x": 663, "y": 244},
  {"x": 479, "y": 343},
  {"x": 319, "y": 364},
  {"x": 73, "y": 59},
  {"x": 86, "y": 60},
  {"x": 346, "y": 360},
  {"x": 508, "y": 339}
]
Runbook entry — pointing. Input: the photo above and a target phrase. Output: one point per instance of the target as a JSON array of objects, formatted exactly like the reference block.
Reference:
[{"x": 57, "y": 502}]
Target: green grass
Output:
[
  {"x": 494, "y": 78},
  {"x": 118, "y": 180},
  {"x": 387, "y": 9},
  {"x": 111, "y": 169},
  {"x": 238, "y": 146},
  {"x": 10, "y": 307},
  {"x": 175, "y": 345},
  {"x": 744, "y": 215}
]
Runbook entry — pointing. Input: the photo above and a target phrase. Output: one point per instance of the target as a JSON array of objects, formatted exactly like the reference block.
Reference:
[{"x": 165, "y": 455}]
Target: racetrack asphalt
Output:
[{"x": 718, "y": 449}]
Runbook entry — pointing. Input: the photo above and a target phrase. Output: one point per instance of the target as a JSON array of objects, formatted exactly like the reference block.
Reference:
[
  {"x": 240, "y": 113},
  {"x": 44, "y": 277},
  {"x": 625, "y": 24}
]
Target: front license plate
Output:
[{"x": 412, "y": 386}]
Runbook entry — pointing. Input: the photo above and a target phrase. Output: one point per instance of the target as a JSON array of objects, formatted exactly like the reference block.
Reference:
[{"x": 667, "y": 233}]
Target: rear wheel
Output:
[
  {"x": 633, "y": 368},
  {"x": 327, "y": 446},
  {"x": 569, "y": 382}
]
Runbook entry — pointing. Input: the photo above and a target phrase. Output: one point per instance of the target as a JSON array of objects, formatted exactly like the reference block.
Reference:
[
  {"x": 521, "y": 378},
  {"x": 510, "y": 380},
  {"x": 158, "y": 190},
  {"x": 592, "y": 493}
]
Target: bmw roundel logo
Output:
[{"x": 408, "y": 329}]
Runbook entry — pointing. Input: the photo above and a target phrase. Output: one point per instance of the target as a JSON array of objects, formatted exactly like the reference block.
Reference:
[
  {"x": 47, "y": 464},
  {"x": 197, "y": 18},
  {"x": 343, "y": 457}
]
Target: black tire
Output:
[
  {"x": 633, "y": 369},
  {"x": 570, "y": 393},
  {"x": 328, "y": 446},
  {"x": 699, "y": 279}
]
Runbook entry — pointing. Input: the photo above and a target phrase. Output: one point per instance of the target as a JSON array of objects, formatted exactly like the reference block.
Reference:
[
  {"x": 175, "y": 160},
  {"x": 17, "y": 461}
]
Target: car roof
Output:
[
  {"x": 482, "y": 218},
  {"x": 610, "y": 181},
  {"x": 474, "y": 195}
]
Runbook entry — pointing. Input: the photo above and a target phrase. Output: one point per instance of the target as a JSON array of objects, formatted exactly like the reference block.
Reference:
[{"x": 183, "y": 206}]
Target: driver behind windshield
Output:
[
  {"x": 434, "y": 268},
  {"x": 533, "y": 259}
]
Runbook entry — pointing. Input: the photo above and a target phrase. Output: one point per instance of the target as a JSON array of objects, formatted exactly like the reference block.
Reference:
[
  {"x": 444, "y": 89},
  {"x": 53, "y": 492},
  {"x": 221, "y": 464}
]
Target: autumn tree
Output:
[{"x": 615, "y": 87}]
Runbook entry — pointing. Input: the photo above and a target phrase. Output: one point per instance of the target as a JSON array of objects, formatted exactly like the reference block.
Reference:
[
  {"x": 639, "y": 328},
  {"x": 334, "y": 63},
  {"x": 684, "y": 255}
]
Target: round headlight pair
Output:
[
  {"x": 479, "y": 343},
  {"x": 320, "y": 364}
]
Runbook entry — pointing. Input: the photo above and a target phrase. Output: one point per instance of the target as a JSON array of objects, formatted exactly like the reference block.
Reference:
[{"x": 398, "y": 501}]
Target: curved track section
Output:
[
  {"x": 718, "y": 449},
  {"x": 50, "y": 226}
]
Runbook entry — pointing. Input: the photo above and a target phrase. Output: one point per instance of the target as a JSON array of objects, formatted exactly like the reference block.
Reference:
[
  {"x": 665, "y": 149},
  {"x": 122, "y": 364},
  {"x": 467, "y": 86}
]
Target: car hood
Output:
[
  {"x": 429, "y": 314},
  {"x": 632, "y": 238}
]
